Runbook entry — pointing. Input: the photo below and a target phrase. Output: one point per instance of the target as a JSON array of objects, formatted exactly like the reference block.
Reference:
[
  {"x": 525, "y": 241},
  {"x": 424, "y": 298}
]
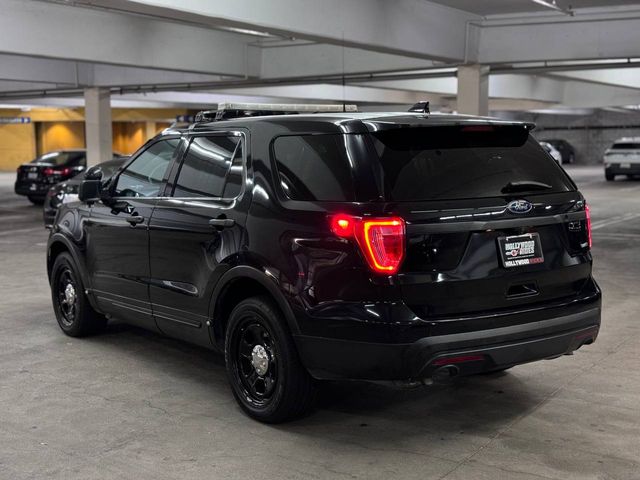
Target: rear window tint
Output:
[
  {"x": 62, "y": 158},
  {"x": 449, "y": 163},
  {"x": 314, "y": 167},
  {"x": 626, "y": 146}
]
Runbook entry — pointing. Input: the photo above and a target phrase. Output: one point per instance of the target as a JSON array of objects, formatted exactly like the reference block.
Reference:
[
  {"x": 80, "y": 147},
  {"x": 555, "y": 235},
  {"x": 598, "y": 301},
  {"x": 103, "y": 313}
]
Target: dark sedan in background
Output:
[
  {"x": 66, "y": 192},
  {"x": 35, "y": 178}
]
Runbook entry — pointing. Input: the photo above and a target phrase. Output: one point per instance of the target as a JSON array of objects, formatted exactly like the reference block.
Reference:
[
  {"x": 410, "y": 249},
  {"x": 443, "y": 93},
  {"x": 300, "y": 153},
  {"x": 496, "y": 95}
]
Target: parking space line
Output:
[
  {"x": 614, "y": 220},
  {"x": 23, "y": 230}
]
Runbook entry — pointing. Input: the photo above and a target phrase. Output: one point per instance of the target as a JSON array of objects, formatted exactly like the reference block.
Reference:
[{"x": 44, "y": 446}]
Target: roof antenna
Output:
[
  {"x": 344, "y": 99},
  {"x": 421, "y": 107}
]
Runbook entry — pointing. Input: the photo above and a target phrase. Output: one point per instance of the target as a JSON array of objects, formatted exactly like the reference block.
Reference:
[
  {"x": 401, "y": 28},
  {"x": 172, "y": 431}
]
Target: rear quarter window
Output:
[
  {"x": 626, "y": 146},
  {"x": 314, "y": 168}
]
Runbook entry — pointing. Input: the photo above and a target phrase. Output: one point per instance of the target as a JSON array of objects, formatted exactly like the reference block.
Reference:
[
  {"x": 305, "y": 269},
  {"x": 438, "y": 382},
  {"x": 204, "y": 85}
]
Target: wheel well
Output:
[
  {"x": 236, "y": 291},
  {"x": 54, "y": 250}
]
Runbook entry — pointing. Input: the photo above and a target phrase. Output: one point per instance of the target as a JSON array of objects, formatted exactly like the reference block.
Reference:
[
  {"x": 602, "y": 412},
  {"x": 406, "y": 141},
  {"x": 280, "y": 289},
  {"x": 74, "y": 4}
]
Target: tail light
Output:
[
  {"x": 52, "y": 171},
  {"x": 587, "y": 210},
  {"x": 381, "y": 240}
]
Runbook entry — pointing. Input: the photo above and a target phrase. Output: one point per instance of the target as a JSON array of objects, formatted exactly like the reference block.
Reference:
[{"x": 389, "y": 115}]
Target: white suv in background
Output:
[
  {"x": 623, "y": 158},
  {"x": 553, "y": 151}
]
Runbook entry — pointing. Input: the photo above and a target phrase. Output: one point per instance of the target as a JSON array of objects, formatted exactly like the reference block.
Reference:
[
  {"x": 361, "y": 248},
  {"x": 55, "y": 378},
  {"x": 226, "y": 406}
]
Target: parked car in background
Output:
[
  {"x": 551, "y": 150},
  {"x": 67, "y": 191},
  {"x": 34, "y": 179},
  {"x": 623, "y": 158},
  {"x": 565, "y": 148}
]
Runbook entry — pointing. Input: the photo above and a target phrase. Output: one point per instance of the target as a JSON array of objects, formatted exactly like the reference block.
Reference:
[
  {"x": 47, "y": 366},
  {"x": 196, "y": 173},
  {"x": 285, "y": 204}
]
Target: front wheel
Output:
[
  {"x": 609, "y": 177},
  {"x": 75, "y": 315},
  {"x": 266, "y": 376}
]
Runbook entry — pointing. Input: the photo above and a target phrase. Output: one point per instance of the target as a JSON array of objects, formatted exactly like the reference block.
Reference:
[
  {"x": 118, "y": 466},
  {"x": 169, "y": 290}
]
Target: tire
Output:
[
  {"x": 75, "y": 315},
  {"x": 36, "y": 200},
  {"x": 266, "y": 376},
  {"x": 609, "y": 177}
]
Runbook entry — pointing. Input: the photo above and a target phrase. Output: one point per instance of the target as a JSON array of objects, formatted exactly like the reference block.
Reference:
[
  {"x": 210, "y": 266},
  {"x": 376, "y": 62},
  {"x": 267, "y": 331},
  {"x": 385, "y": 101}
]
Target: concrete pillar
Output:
[
  {"x": 150, "y": 129},
  {"x": 97, "y": 118},
  {"x": 473, "y": 90}
]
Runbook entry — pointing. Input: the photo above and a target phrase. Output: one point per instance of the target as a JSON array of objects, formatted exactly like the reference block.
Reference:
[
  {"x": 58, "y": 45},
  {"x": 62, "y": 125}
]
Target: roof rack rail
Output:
[{"x": 227, "y": 110}]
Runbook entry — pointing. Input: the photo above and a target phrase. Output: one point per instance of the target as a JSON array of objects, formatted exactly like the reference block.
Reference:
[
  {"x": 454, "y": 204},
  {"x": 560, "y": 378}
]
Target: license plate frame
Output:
[{"x": 520, "y": 250}]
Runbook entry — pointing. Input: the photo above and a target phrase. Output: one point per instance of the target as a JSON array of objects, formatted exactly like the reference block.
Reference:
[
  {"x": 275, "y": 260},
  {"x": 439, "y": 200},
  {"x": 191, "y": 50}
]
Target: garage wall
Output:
[
  {"x": 17, "y": 145},
  {"x": 128, "y": 136},
  {"x": 59, "y": 135},
  {"x": 590, "y": 135}
]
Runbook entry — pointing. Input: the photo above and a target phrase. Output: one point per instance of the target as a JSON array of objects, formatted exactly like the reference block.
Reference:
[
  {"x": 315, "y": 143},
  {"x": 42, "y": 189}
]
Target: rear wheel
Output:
[
  {"x": 266, "y": 376},
  {"x": 36, "y": 200},
  {"x": 75, "y": 315},
  {"x": 609, "y": 177}
]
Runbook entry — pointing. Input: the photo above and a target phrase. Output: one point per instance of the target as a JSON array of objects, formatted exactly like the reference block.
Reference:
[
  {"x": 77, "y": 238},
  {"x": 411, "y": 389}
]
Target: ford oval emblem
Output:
[{"x": 520, "y": 206}]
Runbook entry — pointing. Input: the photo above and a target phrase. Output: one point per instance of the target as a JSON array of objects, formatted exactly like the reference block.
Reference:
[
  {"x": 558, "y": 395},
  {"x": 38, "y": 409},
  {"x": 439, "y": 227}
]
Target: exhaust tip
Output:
[{"x": 445, "y": 374}]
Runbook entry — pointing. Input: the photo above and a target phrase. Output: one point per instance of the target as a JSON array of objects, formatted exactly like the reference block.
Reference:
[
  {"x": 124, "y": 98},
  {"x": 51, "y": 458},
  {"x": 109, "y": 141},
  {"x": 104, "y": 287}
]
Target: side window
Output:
[
  {"x": 314, "y": 167},
  {"x": 208, "y": 164},
  {"x": 77, "y": 159},
  {"x": 143, "y": 177}
]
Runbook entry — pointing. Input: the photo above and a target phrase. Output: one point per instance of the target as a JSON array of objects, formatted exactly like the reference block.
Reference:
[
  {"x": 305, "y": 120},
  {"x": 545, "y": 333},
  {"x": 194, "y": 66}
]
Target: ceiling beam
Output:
[
  {"x": 414, "y": 28},
  {"x": 57, "y": 31},
  {"x": 590, "y": 34},
  {"x": 308, "y": 59}
]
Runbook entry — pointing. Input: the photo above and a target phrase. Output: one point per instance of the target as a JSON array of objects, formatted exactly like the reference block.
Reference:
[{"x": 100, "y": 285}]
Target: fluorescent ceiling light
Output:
[
  {"x": 245, "y": 31},
  {"x": 552, "y": 5}
]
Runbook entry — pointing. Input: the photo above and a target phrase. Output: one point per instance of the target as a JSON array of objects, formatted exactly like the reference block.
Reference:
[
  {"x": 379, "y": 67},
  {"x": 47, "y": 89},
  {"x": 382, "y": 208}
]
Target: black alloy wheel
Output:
[
  {"x": 66, "y": 293},
  {"x": 255, "y": 362},
  {"x": 266, "y": 376},
  {"x": 73, "y": 311}
]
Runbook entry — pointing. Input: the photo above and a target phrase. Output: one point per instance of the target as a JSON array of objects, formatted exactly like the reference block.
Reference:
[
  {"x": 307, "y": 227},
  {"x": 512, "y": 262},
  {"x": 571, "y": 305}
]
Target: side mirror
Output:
[
  {"x": 94, "y": 173},
  {"x": 89, "y": 190}
]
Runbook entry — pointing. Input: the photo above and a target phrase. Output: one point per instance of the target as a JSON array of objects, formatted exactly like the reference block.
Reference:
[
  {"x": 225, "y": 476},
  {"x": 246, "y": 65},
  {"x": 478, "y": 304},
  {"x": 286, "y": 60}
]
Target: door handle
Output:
[
  {"x": 135, "y": 220},
  {"x": 222, "y": 222}
]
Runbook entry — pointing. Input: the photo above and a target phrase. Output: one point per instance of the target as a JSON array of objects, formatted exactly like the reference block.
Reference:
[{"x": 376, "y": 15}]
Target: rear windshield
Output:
[
  {"x": 626, "y": 146},
  {"x": 61, "y": 158},
  {"x": 446, "y": 163}
]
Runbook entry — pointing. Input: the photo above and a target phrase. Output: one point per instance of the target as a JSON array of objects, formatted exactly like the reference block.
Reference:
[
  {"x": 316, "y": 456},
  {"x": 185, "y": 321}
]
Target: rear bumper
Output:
[
  {"x": 25, "y": 188},
  {"x": 490, "y": 349},
  {"x": 617, "y": 169}
]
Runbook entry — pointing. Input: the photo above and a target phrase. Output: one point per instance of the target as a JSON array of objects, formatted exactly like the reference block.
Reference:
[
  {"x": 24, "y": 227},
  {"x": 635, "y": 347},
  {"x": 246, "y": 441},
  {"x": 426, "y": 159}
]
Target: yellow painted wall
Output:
[
  {"x": 128, "y": 136},
  {"x": 64, "y": 128},
  {"x": 61, "y": 135},
  {"x": 17, "y": 145}
]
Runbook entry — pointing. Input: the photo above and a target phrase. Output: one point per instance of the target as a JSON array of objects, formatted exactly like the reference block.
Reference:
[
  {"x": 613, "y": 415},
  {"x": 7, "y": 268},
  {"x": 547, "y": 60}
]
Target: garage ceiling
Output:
[
  {"x": 498, "y": 7},
  {"x": 163, "y": 53}
]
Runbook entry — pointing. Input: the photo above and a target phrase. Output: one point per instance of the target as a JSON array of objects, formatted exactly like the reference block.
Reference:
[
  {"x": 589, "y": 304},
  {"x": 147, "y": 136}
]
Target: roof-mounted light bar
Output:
[
  {"x": 234, "y": 110},
  {"x": 554, "y": 6}
]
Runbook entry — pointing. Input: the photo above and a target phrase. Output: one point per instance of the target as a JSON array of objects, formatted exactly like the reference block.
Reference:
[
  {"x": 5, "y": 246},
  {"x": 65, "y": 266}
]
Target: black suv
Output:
[{"x": 391, "y": 247}]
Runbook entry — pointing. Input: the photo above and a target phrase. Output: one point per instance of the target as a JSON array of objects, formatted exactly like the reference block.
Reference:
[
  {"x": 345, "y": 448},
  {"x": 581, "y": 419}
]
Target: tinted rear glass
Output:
[
  {"x": 436, "y": 163},
  {"x": 626, "y": 146},
  {"x": 61, "y": 158},
  {"x": 314, "y": 167}
]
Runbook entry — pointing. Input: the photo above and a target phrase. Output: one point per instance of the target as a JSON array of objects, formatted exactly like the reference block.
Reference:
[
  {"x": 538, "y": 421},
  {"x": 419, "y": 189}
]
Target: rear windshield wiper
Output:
[{"x": 525, "y": 186}]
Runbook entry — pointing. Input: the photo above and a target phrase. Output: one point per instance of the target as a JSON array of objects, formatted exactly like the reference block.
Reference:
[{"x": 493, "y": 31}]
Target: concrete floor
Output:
[{"x": 129, "y": 404}]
